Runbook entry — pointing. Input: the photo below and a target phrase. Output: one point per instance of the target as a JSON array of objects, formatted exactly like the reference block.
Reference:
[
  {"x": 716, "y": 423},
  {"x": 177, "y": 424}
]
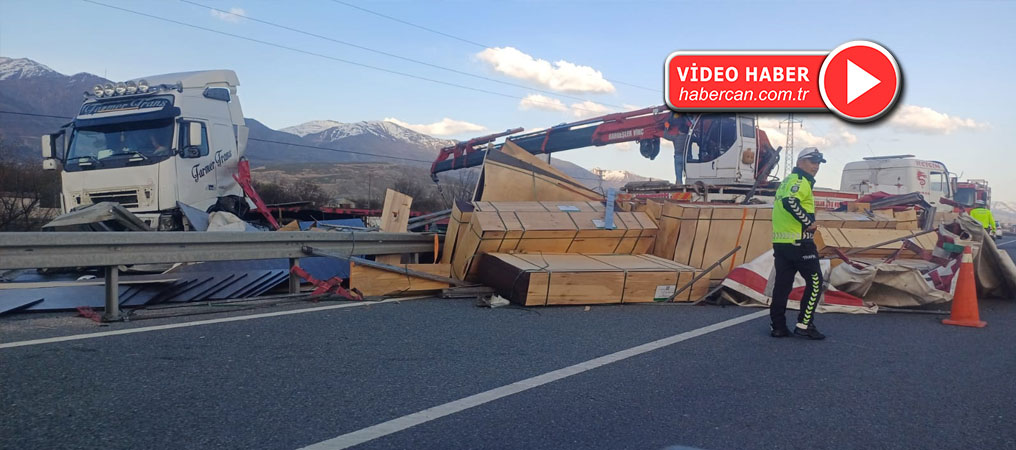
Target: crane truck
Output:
[
  {"x": 719, "y": 157},
  {"x": 151, "y": 143}
]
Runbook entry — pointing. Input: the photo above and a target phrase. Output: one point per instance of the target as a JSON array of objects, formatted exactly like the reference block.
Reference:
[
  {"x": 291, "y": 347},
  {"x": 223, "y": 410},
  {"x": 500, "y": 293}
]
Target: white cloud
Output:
[
  {"x": 587, "y": 108},
  {"x": 559, "y": 76},
  {"x": 446, "y": 127},
  {"x": 924, "y": 119},
  {"x": 234, "y": 15},
  {"x": 541, "y": 102}
]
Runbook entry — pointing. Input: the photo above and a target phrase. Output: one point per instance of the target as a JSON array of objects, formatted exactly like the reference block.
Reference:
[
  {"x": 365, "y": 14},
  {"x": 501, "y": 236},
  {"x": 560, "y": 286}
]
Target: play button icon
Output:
[{"x": 860, "y": 81}]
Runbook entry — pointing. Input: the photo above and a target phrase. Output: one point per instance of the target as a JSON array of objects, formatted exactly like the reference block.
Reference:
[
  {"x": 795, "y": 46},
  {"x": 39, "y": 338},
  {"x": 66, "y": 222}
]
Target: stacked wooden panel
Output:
[
  {"x": 581, "y": 279},
  {"x": 851, "y": 239},
  {"x": 518, "y": 228},
  {"x": 700, "y": 234},
  {"x": 906, "y": 220}
]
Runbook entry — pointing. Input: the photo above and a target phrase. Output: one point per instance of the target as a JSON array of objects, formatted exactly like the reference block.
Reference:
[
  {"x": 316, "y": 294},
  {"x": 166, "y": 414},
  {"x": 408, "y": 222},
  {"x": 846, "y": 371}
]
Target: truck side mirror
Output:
[
  {"x": 49, "y": 152},
  {"x": 47, "y": 147}
]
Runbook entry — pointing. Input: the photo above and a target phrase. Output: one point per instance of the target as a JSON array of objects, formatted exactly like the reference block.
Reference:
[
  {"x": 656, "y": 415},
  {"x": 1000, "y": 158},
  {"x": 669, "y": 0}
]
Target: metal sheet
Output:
[{"x": 14, "y": 304}]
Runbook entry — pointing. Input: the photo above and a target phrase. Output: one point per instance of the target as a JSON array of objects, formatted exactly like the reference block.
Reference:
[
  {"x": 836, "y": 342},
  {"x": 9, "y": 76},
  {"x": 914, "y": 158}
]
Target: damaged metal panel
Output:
[{"x": 105, "y": 216}]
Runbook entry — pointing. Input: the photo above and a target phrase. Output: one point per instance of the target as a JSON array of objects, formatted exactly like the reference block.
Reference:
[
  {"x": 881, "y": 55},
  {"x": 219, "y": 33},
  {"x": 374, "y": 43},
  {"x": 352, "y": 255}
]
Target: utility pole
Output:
[{"x": 788, "y": 149}]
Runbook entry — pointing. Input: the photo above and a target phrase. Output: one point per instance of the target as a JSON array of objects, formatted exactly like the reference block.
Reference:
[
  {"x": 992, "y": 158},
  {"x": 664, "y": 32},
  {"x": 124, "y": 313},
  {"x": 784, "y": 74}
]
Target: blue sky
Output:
[{"x": 956, "y": 59}]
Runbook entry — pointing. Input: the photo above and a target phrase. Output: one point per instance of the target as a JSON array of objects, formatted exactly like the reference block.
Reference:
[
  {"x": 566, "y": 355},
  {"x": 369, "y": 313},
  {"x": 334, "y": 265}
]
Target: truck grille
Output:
[{"x": 127, "y": 199}]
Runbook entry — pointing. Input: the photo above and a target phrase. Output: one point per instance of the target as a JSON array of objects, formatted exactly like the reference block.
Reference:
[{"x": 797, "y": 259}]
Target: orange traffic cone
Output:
[{"x": 964, "y": 304}]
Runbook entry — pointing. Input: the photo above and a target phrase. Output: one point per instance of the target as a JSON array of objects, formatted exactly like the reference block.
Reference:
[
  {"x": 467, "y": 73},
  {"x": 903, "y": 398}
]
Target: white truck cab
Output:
[
  {"x": 150, "y": 143},
  {"x": 721, "y": 149},
  {"x": 899, "y": 174}
]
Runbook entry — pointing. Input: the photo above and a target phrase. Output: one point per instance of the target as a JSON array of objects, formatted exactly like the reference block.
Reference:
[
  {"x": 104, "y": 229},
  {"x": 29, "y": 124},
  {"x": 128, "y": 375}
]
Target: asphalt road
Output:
[{"x": 900, "y": 381}]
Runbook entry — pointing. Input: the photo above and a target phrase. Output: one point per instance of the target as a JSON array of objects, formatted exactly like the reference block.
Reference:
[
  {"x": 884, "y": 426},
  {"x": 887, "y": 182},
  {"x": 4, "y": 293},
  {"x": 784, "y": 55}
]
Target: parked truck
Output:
[{"x": 151, "y": 143}]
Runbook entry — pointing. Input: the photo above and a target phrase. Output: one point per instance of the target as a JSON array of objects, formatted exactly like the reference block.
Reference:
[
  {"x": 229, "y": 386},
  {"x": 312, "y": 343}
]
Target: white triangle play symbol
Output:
[{"x": 858, "y": 81}]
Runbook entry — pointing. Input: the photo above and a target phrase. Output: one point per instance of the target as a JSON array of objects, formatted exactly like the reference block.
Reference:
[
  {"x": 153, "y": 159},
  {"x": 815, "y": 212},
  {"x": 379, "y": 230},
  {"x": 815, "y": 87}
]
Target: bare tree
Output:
[{"x": 28, "y": 194}]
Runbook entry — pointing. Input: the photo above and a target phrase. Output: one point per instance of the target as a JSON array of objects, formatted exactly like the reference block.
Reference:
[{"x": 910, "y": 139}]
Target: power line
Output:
[
  {"x": 457, "y": 38},
  {"x": 35, "y": 115},
  {"x": 307, "y": 52},
  {"x": 269, "y": 141},
  {"x": 392, "y": 55}
]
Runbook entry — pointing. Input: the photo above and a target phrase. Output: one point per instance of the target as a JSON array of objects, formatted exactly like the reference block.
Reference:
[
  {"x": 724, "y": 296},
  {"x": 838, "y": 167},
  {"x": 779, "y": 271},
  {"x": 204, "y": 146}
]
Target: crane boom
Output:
[
  {"x": 703, "y": 139},
  {"x": 645, "y": 125}
]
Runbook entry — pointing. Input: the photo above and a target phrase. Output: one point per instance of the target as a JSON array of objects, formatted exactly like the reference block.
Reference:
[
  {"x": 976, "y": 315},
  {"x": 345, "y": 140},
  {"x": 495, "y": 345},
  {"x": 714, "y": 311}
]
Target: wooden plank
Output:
[
  {"x": 394, "y": 218},
  {"x": 686, "y": 239},
  {"x": 725, "y": 230},
  {"x": 654, "y": 208},
  {"x": 546, "y": 225},
  {"x": 760, "y": 240},
  {"x": 457, "y": 219},
  {"x": 683, "y": 279},
  {"x": 372, "y": 281},
  {"x": 647, "y": 238},
  {"x": 633, "y": 232},
  {"x": 698, "y": 249},
  {"x": 589, "y": 238},
  {"x": 667, "y": 236}
]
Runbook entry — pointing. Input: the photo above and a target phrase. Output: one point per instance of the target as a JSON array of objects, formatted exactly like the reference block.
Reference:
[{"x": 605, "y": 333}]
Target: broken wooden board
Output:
[
  {"x": 549, "y": 232},
  {"x": 585, "y": 279},
  {"x": 513, "y": 174},
  {"x": 371, "y": 281},
  {"x": 395, "y": 218}
]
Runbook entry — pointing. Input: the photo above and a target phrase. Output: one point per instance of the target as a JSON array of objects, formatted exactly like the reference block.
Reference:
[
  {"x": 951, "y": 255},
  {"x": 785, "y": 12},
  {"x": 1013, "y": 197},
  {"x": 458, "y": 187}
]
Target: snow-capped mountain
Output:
[
  {"x": 21, "y": 68},
  {"x": 312, "y": 127},
  {"x": 331, "y": 131}
]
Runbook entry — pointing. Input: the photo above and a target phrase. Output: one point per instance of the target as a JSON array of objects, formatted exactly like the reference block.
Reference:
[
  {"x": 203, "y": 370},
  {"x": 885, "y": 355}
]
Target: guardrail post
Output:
[
  {"x": 294, "y": 280},
  {"x": 112, "y": 312}
]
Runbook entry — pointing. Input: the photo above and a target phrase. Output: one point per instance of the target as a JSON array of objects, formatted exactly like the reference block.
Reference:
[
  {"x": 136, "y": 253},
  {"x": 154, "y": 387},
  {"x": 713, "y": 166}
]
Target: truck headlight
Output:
[
  {"x": 121, "y": 88},
  {"x": 132, "y": 87},
  {"x": 142, "y": 86},
  {"x": 97, "y": 90},
  {"x": 107, "y": 89}
]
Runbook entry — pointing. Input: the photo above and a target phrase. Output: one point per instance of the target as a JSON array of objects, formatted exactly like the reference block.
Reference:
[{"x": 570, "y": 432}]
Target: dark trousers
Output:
[{"x": 790, "y": 260}]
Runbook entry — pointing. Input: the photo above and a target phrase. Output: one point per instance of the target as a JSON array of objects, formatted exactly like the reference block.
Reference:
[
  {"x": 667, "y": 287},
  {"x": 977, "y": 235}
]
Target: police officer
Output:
[
  {"x": 794, "y": 248},
  {"x": 982, "y": 214}
]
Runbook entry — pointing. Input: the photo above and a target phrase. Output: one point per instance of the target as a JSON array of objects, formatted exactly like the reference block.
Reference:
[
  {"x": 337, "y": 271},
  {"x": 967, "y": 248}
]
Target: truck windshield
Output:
[
  {"x": 120, "y": 145},
  {"x": 965, "y": 196}
]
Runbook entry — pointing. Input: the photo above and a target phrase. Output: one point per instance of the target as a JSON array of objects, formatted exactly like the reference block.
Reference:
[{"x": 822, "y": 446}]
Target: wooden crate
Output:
[
  {"x": 549, "y": 232},
  {"x": 578, "y": 279}
]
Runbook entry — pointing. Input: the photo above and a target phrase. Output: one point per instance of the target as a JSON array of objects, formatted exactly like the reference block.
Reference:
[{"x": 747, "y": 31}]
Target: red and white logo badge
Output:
[{"x": 860, "y": 81}]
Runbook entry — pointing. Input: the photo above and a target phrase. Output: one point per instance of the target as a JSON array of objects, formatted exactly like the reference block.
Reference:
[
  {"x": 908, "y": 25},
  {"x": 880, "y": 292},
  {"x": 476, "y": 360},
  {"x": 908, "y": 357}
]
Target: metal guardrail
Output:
[{"x": 39, "y": 250}]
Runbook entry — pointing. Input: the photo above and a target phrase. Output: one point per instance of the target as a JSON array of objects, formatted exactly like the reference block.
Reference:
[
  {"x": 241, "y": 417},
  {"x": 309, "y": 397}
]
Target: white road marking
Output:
[
  {"x": 395, "y": 425},
  {"x": 171, "y": 326},
  {"x": 1005, "y": 243}
]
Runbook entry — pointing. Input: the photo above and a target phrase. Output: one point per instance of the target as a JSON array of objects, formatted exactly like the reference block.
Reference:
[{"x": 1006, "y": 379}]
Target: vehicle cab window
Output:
[
  {"x": 711, "y": 137},
  {"x": 195, "y": 150}
]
